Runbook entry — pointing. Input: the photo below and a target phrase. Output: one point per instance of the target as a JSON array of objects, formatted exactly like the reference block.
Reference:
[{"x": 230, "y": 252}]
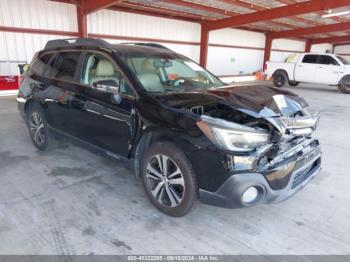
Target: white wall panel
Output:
[
  {"x": 38, "y": 14},
  {"x": 20, "y": 47},
  {"x": 284, "y": 45},
  {"x": 237, "y": 37},
  {"x": 321, "y": 48},
  {"x": 288, "y": 44},
  {"x": 342, "y": 49},
  {"x": 191, "y": 51},
  {"x": 234, "y": 61},
  {"x": 127, "y": 24},
  {"x": 280, "y": 56}
]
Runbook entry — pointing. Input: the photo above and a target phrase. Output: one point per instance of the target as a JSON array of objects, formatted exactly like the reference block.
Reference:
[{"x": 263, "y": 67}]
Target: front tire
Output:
[
  {"x": 38, "y": 129},
  {"x": 168, "y": 179},
  {"x": 280, "y": 78}
]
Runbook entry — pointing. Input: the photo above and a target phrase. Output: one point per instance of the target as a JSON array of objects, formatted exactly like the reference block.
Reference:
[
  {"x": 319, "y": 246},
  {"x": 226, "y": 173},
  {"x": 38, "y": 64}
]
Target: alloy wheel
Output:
[
  {"x": 37, "y": 130},
  {"x": 165, "y": 180}
]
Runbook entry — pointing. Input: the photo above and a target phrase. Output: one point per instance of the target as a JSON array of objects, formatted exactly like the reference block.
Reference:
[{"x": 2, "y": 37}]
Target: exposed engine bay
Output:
[{"x": 286, "y": 134}]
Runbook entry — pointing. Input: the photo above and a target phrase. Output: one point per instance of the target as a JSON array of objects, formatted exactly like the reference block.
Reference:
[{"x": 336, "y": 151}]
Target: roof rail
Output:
[
  {"x": 155, "y": 45},
  {"x": 77, "y": 42}
]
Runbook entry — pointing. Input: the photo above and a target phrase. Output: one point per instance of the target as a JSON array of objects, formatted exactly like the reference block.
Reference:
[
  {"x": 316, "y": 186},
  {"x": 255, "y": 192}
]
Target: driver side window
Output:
[{"x": 98, "y": 67}]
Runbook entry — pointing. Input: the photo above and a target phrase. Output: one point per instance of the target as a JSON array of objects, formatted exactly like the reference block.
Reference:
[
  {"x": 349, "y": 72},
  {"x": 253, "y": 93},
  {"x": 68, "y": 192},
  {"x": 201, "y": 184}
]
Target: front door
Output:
[{"x": 103, "y": 118}]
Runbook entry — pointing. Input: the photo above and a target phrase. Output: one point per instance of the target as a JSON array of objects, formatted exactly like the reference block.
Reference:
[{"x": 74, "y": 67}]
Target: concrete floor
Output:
[{"x": 71, "y": 201}]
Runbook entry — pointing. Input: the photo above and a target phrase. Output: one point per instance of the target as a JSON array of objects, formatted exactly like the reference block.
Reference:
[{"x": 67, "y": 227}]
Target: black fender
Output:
[{"x": 154, "y": 134}]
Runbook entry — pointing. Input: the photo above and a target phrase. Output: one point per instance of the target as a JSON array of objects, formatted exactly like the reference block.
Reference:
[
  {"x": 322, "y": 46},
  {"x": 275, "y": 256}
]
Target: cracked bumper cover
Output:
[{"x": 229, "y": 195}]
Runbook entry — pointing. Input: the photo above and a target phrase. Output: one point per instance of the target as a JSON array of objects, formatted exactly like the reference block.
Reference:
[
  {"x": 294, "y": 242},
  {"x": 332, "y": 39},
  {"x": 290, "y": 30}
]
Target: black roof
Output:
[
  {"x": 123, "y": 48},
  {"x": 135, "y": 50}
]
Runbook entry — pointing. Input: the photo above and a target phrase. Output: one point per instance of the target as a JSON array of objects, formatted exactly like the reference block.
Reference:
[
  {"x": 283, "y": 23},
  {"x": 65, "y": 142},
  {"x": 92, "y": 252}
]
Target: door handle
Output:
[{"x": 320, "y": 67}]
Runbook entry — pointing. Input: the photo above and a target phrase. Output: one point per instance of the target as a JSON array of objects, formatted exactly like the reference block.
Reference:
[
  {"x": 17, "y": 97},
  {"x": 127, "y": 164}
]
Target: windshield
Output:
[
  {"x": 343, "y": 60},
  {"x": 161, "y": 73}
]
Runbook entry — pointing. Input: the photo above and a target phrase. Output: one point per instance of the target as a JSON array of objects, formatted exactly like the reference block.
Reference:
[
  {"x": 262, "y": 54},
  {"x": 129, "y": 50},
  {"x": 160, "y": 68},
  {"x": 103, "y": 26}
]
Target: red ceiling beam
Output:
[
  {"x": 308, "y": 46},
  {"x": 335, "y": 18},
  {"x": 341, "y": 44},
  {"x": 330, "y": 40},
  {"x": 158, "y": 12},
  {"x": 91, "y": 6},
  {"x": 255, "y": 7},
  {"x": 201, "y": 7},
  {"x": 278, "y": 12},
  {"x": 151, "y": 10},
  {"x": 82, "y": 21},
  {"x": 312, "y": 30},
  {"x": 267, "y": 49}
]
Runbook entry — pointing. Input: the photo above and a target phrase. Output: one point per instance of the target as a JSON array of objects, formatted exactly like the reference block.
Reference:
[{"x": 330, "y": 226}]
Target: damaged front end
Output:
[{"x": 272, "y": 154}]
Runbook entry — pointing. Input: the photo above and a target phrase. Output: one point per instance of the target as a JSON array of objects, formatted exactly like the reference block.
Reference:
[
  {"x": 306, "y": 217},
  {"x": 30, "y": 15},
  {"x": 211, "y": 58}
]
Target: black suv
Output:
[{"x": 187, "y": 135}]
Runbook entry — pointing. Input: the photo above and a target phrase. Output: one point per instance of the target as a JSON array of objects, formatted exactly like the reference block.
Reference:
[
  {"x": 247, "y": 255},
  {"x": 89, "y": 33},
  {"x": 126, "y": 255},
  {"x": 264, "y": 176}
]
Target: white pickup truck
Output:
[{"x": 311, "y": 68}]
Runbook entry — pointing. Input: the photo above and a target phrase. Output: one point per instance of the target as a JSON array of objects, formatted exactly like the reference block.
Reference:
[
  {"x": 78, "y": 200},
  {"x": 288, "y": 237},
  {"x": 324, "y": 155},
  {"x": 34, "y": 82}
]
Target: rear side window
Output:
[
  {"x": 64, "y": 66},
  {"x": 40, "y": 64},
  {"x": 327, "y": 60},
  {"x": 310, "y": 59}
]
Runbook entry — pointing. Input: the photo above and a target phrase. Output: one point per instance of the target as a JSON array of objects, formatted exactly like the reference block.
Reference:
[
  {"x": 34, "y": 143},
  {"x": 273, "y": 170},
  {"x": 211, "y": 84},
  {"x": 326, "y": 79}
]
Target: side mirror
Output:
[{"x": 106, "y": 86}]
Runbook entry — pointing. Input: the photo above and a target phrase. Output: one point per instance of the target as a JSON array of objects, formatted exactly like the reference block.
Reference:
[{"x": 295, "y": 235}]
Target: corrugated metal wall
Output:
[
  {"x": 127, "y": 24},
  {"x": 38, "y": 14},
  {"x": 321, "y": 48}
]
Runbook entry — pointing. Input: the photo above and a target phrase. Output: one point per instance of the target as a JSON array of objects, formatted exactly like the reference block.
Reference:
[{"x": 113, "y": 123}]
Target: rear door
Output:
[
  {"x": 305, "y": 70},
  {"x": 59, "y": 88},
  {"x": 328, "y": 70}
]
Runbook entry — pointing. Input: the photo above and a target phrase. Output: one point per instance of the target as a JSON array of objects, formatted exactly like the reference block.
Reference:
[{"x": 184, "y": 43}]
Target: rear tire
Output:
[
  {"x": 168, "y": 179},
  {"x": 279, "y": 79},
  {"x": 293, "y": 83},
  {"x": 38, "y": 129}
]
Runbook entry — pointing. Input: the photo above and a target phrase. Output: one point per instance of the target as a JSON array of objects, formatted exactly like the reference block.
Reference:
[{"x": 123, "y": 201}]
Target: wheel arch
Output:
[
  {"x": 342, "y": 78},
  {"x": 281, "y": 71},
  {"x": 153, "y": 135},
  {"x": 30, "y": 103}
]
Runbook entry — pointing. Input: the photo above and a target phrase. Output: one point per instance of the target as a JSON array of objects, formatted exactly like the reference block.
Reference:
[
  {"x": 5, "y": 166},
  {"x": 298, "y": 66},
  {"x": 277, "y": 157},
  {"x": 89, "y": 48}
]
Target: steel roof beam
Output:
[
  {"x": 278, "y": 12},
  {"x": 312, "y": 30},
  {"x": 330, "y": 40},
  {"x": 211, "y": 9},
  {"x": 90, "y": 6}
]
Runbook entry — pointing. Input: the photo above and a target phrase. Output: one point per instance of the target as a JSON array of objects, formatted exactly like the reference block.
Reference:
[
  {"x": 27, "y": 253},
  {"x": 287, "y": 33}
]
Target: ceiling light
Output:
[{"x": 330, "y": 14}]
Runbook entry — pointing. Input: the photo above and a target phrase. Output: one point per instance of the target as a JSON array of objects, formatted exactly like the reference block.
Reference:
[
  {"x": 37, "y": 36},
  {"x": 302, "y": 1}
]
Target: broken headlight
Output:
[{"x": 231, "y": 136}]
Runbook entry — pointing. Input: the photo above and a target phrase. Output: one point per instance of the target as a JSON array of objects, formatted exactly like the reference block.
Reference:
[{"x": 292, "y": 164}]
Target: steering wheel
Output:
[{"x": 176, "y": 82}]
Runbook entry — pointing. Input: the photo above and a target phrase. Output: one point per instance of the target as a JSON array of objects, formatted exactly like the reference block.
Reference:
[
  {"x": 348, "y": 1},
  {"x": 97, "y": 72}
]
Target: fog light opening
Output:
[{"x": 250, "y": 195}]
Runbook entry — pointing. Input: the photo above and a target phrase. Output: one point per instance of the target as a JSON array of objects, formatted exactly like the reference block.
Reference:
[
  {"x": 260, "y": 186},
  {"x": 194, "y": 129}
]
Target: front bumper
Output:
[{"x": 305, "y": 166}]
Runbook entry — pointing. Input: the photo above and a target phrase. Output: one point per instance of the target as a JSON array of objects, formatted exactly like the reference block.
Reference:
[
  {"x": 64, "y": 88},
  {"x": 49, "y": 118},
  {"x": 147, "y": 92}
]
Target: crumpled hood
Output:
[{"x": 255, "y": 100}]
